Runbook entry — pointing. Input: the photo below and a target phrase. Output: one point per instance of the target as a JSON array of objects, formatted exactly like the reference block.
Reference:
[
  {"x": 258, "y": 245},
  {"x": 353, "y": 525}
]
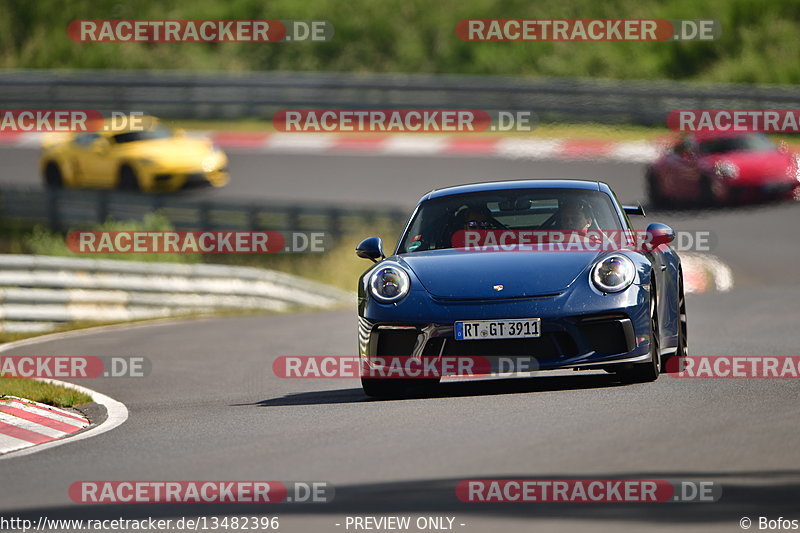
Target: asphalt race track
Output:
[{"x": 213, "y": 410}]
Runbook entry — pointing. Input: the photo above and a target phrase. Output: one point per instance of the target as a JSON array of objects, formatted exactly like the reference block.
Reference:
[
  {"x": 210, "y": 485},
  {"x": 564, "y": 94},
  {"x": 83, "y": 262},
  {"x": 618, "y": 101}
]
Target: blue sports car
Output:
[{"x": 548, "y": 271}]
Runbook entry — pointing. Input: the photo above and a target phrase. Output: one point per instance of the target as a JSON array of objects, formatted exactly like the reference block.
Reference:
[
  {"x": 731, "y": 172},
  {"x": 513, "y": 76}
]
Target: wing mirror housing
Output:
[
  {"x": 371, "y": 248},
  {"x": 659, "y": 234}
]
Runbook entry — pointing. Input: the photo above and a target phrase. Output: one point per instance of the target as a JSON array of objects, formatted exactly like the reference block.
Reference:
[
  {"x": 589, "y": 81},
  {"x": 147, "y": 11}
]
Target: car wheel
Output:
[
  {"x": 654, "y": 194},
  {"x": 682, "y": 349},
  {"x": 398, "y": 388},
  {"x": 712, "y": 192},
  {"x": 52, "y": 176},
  {"x": 128, "y": 180},
  {"x": 645, "y": 372}
]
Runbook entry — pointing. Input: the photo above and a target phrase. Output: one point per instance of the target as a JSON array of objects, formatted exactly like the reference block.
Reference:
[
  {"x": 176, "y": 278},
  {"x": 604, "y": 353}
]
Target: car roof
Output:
[{"x": 517, "y": 184}]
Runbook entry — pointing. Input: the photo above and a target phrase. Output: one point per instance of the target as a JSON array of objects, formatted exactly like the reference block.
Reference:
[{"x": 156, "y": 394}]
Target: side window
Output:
[{"x": 86, "y": 139}]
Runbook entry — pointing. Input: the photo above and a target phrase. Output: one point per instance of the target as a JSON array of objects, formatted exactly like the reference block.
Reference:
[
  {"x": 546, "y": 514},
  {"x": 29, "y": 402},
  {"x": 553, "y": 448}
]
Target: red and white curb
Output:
[
  {"x": 116, "y": 412},
  {"x": 413, "y": 145},
  {"x": 436, "y": 145},
  {"x": 705, "y": 273},
  {"x": 24, "y": 423}
]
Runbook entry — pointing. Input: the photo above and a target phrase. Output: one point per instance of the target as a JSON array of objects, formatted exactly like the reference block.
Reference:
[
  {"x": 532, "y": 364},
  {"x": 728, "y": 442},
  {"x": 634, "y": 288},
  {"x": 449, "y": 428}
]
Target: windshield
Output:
[
  {"x": 437, "y": 221},
  {"x": 159, "y": 132},
  {"x": 745, "y": 143}
]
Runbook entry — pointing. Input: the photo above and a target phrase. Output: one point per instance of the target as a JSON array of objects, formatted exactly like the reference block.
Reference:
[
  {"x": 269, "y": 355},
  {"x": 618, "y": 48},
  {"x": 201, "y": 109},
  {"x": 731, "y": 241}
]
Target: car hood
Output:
[
  {"x": 468, "y": 275},
  {"x": 170, "y": 151},
  {"x": 756, "y": 164}
]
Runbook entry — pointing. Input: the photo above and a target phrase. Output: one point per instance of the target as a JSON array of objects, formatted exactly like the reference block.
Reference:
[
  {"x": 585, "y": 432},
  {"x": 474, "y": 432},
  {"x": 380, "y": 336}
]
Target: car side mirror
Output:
[
  {"x": 658, "y": 234},
  {"x": 371, "y": 248}
]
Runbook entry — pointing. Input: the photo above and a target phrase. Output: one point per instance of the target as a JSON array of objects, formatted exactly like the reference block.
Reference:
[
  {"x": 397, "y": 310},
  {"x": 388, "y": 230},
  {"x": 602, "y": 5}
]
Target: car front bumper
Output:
[
  {"x": 599, "y": 332},
  {"x": 169, "y": 181}
]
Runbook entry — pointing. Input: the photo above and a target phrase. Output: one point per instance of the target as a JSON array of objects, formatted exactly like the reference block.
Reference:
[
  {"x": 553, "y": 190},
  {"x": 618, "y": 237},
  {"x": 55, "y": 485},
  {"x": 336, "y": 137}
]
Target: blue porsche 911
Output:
[{"x": 549, "y": 271}]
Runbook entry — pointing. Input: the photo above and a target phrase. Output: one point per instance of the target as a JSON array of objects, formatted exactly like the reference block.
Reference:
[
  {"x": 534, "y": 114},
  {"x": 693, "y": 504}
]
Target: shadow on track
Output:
[
  {"x": 743, "y": 494},
  {"x": 450, "y": 389}
]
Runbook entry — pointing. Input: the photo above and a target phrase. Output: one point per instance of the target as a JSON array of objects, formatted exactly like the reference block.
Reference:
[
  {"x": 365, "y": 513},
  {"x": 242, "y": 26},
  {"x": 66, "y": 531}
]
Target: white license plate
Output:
[{"x": 517, "y": 328}]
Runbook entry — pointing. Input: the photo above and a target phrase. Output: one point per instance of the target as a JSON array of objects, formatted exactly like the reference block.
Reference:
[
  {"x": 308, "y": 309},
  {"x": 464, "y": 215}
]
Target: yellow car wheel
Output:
[
  {"x": 52, "y": 176},
  {"x": 128, "y": 180}
]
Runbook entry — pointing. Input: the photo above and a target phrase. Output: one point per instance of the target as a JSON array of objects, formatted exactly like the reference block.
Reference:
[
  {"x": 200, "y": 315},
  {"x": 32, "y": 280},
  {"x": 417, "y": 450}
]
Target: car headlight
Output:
[
  {"x": 210, "y": 163},
  {"x": 614, "y": 273},
  {"x": 389, "y": 284},
  {"x": 726, "y": 169}
]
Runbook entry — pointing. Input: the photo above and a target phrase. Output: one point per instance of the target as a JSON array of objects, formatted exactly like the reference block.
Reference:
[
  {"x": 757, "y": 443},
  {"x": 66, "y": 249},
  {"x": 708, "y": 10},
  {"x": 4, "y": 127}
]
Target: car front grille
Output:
[
  {"x": 602, "y": 335},
  {"x": 401, "y": 342}
]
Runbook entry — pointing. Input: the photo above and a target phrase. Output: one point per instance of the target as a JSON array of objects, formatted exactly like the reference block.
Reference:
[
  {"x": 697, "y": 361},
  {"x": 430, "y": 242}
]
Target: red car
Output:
[{"x": 716, "y": 168}]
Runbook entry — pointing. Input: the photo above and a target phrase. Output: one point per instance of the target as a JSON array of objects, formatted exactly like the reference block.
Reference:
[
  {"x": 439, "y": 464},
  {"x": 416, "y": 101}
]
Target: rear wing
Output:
[{"x": 634, "y": 210}]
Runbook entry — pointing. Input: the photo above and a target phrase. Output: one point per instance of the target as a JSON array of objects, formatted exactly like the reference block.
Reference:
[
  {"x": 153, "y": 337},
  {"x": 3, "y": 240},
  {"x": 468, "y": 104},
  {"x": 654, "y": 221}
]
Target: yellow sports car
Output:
[{"x": 151, "y": 159}]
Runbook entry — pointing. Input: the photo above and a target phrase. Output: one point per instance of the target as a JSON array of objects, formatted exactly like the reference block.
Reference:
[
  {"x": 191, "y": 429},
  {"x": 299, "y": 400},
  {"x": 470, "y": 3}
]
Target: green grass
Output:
[
  {"x": 544, "y": 130},
  {"x": 42, "y": 392},
  {"x": 41, "y": 241},
  {"x": 337, "y": 266},
  {"x": 758, "y": 42}
]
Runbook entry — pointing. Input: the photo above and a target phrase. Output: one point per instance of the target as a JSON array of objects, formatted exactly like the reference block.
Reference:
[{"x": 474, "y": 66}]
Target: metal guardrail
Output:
[
  {"x": 260, "y": 94},
  {"x": 38, "y": 292},
  {"x": 63, "y": 209}
]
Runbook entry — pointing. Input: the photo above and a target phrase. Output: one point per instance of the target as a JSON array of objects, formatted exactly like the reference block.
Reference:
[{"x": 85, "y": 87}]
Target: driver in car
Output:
[
  {"x": 479, "y": 217},
  {"x": 575, "y": 215}
]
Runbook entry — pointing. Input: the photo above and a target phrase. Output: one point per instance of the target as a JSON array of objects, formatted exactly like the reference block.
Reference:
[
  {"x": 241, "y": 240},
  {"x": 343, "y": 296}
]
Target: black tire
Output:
[
  {"x": 53, "y": 178},
  {"x": 649, "y": 371},
  {"x": 683, "y": 348},
  {"x": 707, "y": 198},
  {"x": 654, "y": 195},
  {"x": 128, "y": 180},
  {"x": 398, "y": 388}
]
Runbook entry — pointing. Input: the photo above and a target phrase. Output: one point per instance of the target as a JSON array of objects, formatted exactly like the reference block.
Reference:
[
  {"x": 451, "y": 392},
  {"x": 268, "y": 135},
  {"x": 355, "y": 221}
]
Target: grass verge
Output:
[
  {"x": 39, "y": 391},
  {"x": 756, "y": 45}
]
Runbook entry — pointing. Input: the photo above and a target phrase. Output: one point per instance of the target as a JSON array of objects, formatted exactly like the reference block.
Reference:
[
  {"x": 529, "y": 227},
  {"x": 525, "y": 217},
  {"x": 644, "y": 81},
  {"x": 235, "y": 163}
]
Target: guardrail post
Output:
[
  {"x": 253, "y": 218},
  {"x": 293, "y": 218},
  {"x": 205, "y": 216},
  {"x": 53, "y": 215},
  {"x": 102, "y": 206},
  {"x": 335, "y": 224}
]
